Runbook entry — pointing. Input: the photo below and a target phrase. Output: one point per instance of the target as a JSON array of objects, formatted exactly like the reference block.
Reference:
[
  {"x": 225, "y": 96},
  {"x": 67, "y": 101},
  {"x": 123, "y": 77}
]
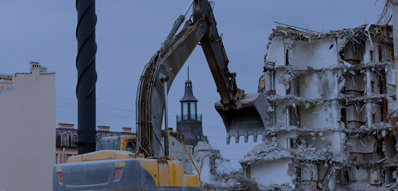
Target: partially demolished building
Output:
[{"x": 333, "y": 120}]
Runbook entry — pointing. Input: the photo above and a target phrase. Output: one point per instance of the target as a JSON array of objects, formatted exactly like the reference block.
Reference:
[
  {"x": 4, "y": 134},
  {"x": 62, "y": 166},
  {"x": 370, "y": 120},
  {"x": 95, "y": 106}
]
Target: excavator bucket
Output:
[{"x": 249, "y": 120}]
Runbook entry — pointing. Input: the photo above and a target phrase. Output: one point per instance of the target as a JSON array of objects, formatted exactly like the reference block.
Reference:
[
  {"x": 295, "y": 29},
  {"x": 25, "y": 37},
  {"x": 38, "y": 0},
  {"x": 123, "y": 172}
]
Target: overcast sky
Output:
[{"x": 129, "y": 32}]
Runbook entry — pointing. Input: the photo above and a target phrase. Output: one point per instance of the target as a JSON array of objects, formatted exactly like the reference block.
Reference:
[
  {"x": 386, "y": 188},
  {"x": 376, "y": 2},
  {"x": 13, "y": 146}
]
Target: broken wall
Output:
[
  {"x": 316, "y": 54},
  {"x": 324, "y": 116},
  {"x": 277, "y": 172}
]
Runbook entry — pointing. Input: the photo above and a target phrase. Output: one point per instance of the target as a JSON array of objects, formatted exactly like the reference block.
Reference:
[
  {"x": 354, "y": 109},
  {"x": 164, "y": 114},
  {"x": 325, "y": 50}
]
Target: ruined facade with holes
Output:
[{"x": 333, "y": 109}]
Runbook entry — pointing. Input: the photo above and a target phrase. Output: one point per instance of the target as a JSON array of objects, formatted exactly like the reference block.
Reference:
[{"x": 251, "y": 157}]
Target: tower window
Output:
[
  {"x": 185, "y": 111},
  {"x": 192, "y": 110}
]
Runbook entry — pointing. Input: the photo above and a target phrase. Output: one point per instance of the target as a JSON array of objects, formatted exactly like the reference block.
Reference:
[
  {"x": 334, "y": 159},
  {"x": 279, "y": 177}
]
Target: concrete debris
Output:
[
  {"x": 273, "y": 151},
  {"x": 218, "y": 173},
  {"x": 363, "y": 186},
  {"x": 266, "y": 151},
  {"x": 312, "y": 154}
]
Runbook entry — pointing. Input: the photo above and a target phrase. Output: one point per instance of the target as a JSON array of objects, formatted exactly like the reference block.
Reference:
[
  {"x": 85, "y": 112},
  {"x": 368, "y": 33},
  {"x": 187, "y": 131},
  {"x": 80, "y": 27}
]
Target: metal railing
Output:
[{"x": 186, "y": 118}]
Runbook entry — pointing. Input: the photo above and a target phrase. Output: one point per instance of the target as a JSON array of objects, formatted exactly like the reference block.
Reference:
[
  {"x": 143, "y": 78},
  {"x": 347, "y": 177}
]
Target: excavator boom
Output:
[{"x": 243, "y": 114}]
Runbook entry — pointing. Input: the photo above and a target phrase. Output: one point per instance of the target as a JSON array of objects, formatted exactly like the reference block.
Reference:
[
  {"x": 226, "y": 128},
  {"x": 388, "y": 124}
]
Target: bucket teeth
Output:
[
  {"x": 246, "y": 138},
  {"x": 248, "y": 120},
  {"x": 255, "y": 138}
]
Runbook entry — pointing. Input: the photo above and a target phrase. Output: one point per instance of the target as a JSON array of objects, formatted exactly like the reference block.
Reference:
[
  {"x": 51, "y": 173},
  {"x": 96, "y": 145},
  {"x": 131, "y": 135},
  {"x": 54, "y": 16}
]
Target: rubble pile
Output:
[{"x": 266, "y": 151}]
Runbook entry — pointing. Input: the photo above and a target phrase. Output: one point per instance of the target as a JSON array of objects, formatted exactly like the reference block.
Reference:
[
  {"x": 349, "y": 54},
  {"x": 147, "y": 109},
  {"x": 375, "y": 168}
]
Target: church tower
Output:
[{"x": 189, "y": 123}]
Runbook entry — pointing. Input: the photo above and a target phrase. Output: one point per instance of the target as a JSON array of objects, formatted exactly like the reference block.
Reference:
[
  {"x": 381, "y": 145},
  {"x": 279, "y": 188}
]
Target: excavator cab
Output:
[
  {"x": 121, "y": 143},
  {"x": 250, "y": 119}
]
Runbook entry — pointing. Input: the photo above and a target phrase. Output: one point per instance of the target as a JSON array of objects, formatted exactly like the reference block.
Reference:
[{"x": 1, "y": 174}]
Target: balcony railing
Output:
[{"x": 185, "y": 118}]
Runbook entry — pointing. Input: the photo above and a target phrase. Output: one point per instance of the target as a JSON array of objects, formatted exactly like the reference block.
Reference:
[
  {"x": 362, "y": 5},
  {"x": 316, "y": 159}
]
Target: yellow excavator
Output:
[{"x": 150, "y": 167}]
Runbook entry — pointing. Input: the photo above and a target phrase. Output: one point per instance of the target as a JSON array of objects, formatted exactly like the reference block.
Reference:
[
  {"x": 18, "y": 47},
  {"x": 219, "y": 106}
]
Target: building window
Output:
[
  {"x": 74, "y": 140},
  {"x": 64, "y": 140},
  {"x": 185, "y": 111},
  {"x": 192, "y": 110}
]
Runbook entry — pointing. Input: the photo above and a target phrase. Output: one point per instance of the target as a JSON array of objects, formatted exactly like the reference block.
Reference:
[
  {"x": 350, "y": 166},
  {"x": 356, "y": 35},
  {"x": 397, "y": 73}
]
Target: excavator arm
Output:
[
  {"x": 243, "y": 114},
  {"x": 150, "y": 101}
]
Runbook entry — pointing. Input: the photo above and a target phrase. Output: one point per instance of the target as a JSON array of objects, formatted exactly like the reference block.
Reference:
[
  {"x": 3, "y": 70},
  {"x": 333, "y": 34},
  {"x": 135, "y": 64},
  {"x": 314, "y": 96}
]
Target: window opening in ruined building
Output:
[
  {"x": 273, "y": 83},
  {"x": 385, "y": 52},
  {"x": 384, "y": 111},
  {"x": 389, "y": 146},
  {"x": 272, "y": 115},
  {"x": 382, "y": 82},
  {"x": 343, "y": 116},
  {"x": 294, "y": 87},
  {"x": 355, "y": 114},
  {"x": 292, "y": 143},
  {"x": 352, "y": 53},
  {"x": 372, "y": 85},
  {"x": 354, "y": 83},
  {"x": 287, "y": 58},
  {"x": 371, "y": 55},
  {"x": 292, "y": 116},
  {"x": 288, "y": 90},
  {"x": 373, "y": 118}
]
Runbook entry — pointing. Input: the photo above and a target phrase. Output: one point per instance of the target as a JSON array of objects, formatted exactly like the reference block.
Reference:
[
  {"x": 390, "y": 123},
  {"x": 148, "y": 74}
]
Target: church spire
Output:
[{"x": 188, "y": 96}]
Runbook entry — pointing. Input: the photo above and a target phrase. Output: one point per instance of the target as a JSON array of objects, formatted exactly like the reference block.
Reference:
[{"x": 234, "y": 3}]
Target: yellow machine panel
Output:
[{"x": 104, "y": 155}]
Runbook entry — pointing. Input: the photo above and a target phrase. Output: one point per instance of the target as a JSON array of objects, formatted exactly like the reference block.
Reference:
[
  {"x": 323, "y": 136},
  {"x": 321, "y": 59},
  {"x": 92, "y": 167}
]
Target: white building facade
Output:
[{"x": 27, "y": 121}]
